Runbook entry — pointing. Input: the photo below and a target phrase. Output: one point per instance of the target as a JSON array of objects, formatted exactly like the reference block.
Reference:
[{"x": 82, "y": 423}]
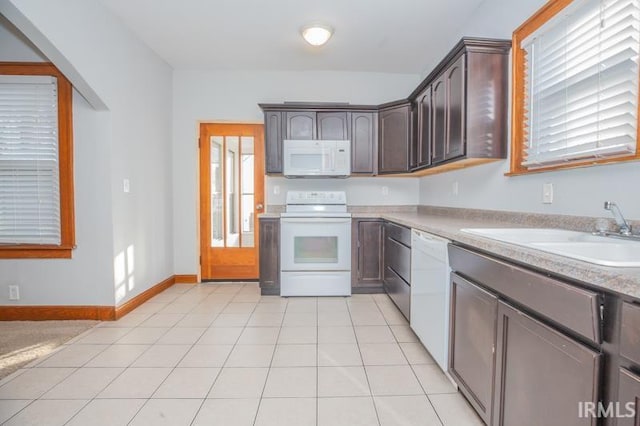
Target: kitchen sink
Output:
[{"x": 601, "y": 250}]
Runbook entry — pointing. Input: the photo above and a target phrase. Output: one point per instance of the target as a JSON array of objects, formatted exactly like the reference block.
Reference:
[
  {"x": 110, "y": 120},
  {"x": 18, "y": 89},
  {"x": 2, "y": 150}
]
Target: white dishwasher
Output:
[{"x": 430, "y": 294}]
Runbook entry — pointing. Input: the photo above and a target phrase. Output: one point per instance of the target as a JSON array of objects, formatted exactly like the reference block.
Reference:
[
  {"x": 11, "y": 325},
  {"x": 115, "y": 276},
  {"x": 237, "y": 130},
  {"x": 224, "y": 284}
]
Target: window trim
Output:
[
  {"x": 539, "y": 18},
  {"x": 65, "y": 155}
]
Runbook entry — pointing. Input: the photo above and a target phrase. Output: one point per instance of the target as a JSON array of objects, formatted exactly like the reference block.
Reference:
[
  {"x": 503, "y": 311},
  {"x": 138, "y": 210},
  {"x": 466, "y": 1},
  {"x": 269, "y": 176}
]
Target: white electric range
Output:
[{"x": 315, "y": 244}]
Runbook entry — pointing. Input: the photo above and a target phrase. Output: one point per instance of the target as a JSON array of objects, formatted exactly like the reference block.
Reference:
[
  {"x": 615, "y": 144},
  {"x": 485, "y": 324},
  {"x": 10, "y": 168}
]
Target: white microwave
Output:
[{"x": 316, "y": 158}]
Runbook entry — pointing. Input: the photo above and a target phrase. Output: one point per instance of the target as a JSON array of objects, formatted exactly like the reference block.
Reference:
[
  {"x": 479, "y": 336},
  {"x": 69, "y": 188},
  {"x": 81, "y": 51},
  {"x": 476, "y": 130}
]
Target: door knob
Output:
[{"x": 259, "y": 206}]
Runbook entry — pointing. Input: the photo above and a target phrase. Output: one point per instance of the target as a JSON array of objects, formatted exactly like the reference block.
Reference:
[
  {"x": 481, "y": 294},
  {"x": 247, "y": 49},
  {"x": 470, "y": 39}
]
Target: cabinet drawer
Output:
[
  {"x": 398, "y": 233},
  {"x": 398, "y": 258},
  {"x": 398, "y": 290},
  {"x": 630, "y": 332},
  {"x": 567, "y": 305}
]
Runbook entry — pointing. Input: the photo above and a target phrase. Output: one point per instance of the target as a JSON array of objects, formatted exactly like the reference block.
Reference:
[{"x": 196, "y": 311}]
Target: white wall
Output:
[
  {"x": 103, "y": 58},
  {"x": 577, "y": 192},
  {"x": 87, "y": 278},
  {"x": 233, "y": 96},
  {"x": 361, "y": 191}
]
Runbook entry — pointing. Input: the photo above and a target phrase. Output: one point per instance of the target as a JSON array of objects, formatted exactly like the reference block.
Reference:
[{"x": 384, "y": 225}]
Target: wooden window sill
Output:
[{"x": 35, "y": 252}]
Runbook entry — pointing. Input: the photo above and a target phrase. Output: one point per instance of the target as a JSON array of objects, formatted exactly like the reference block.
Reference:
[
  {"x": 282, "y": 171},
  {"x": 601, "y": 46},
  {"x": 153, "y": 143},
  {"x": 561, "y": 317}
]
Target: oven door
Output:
[{"x": 315, "y": 244}]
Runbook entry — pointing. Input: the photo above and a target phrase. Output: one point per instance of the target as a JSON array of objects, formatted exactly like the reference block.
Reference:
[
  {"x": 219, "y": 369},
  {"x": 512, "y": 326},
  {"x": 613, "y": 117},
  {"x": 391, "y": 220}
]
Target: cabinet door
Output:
[
  {"x": 273, "y": 141},
  {"x": 270, "y": 256},
  {"x": 472, "y": 343},
  {"x": 395, "y": 133},
  {"x": 456, "y": 101},
  {"x": 424, "y": 128},
  {"x": 629, "y": 398},
  {"x": 439, "y": 120},
  {"x": 332, "y": 126},
  {"x": 368, "y": 253},
  {"x": 301, "y": 125},
  {"x": 363, "y": 141},
  {"x": 542, "y": 376}
]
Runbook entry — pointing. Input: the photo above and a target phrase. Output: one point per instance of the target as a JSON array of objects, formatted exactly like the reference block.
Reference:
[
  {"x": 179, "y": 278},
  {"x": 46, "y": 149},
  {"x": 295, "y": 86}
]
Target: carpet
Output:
[{"x": 23, "y": 341}]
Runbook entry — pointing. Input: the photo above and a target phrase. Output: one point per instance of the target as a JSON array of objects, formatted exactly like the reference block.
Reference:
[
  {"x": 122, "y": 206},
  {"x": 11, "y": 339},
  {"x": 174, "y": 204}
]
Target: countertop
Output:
[
  {"x": 447, "y": 223},
  {"x": 625, "y": 281}
]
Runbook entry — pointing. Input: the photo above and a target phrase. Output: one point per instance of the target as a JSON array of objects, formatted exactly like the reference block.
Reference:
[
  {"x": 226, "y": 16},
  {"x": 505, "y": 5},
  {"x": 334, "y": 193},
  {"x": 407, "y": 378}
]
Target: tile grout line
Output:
[
  {"x": 225, "y": 360},
  {"x": 255, "y": 418},
  {"x": 364, "y": 368},
  {"x": 412, "y": 369}
]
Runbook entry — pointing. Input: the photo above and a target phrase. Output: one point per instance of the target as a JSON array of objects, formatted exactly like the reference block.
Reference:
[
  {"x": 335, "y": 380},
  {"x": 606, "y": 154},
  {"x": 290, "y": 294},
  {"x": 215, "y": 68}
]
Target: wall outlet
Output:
[
  {"x": 126, "y": 186},
  {"x": 276, "y": 190},
  {"x": 14, "y": 292},
  {"x": 385, "y": 190},
  {"x": 455, "y": 188},
  {"x": 547, "y": 193}
]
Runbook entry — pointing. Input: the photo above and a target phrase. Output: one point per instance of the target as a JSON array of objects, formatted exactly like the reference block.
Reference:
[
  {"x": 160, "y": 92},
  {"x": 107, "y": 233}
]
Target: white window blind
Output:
[
  {"x": 29, "y": 171},
  {"x": 581, "y": 84}
]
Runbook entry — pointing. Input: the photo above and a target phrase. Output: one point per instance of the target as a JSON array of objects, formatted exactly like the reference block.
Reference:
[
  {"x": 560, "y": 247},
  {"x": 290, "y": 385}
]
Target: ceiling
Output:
[{"x": 370, "y": 35}]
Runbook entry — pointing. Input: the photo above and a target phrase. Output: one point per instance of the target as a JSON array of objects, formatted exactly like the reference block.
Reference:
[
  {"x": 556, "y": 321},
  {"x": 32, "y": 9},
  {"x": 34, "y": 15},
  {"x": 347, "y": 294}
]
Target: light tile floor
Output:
[{"x": 221, "y": 354}]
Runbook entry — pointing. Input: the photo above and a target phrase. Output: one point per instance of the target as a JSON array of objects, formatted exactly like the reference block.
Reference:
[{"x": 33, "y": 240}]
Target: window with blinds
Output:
[
  {"x": 29, "y": 161},
  {"x": 579, "y": 73}
]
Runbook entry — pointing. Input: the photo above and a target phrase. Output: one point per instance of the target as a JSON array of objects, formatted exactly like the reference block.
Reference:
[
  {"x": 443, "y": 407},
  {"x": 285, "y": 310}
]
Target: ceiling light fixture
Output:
[{"x": 317, "y": 35}]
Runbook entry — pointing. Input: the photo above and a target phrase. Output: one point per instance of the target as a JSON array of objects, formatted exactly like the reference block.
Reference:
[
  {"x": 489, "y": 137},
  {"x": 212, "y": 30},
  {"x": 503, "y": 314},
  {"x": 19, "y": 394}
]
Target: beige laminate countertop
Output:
[{"x": 625, "y": 281}]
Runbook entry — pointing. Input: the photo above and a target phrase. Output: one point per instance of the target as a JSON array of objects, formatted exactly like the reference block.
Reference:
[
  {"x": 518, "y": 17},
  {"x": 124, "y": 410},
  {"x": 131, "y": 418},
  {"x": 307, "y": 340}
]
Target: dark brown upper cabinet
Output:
[
  {"x": 301, "y": 125},
  {"x": 364, "y": 142},
  {"x": 421, "y": 148},
  {"x": 332, "y": 125},
  {"x": 457, "y": 114},
  {"x": 469, "y": 91},
  {"x": 273, "y": 141},
  {"x": 357, "y": 123},
  {"x": 395, "y": 138},
  {"x": 448, "y": 114}
]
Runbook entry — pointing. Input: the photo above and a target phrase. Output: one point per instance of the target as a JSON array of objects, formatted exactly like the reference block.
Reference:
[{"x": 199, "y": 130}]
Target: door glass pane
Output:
[
  {"x": 217, "y": 217},
  {"x": 315, "y": 249},
  {"x": 248, "y": 213},
  {"x": 232, "y": 152}
]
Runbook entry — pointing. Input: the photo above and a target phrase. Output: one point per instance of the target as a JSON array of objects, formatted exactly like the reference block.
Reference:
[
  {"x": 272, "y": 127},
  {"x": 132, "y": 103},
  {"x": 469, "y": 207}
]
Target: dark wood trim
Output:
[
  {"x": 481, "y": 45},
  {"x": 270, "y": 291},
  {"x": 138, "y": 300},
  {"x": 317, "y": 106},
  {"x": 393, "y": 104},
  {"x": 65, "y": 155},
  {"x": 28, "y": 251},
  {"x": 43, "y": 313},
  {"x": 186, "y": 279},
  {"x": 378, "y": 289}
]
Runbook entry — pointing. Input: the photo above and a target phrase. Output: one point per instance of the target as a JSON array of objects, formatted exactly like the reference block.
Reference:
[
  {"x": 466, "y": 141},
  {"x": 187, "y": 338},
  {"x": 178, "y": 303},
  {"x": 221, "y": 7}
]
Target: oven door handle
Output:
[{"x": 315, "y": 220}]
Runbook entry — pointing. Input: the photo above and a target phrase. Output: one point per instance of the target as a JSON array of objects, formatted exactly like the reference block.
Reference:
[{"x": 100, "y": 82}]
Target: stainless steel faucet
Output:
[{"x": 625, "y": 229}]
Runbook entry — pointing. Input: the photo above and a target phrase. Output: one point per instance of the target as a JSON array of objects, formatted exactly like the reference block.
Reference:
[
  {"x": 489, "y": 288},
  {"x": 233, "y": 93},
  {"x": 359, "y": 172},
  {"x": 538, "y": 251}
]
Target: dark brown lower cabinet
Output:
[
  {"x": 366, "y": 257},
  {"x": 628, "y": 398},
  {"x": 472, "y": 343},
  {"x": 269, "y": 256},
  {"x": 542, "y": 376}
]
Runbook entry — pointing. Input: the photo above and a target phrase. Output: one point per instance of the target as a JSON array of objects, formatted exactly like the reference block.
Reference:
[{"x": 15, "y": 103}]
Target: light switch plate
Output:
[
  {"x": 126, "y": 186},
  {"x": 547, "y": 193},
  {"x": 385, "y": 190},
  {"x": 14, "y": 292}
]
